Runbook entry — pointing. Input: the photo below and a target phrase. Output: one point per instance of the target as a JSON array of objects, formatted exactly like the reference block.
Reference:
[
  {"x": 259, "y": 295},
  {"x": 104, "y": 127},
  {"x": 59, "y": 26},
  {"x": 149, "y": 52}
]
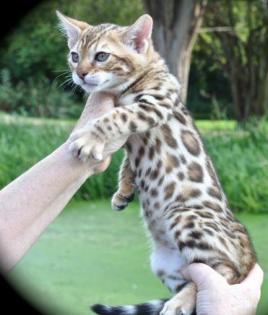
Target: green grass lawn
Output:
[
  {"x": 204, "y": 125},
  {"x": 92, "y": 254}
]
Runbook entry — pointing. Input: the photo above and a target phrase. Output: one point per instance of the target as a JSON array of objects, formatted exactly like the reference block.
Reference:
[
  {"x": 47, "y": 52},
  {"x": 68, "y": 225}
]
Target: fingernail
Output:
[{"x": 98, "y": 157}]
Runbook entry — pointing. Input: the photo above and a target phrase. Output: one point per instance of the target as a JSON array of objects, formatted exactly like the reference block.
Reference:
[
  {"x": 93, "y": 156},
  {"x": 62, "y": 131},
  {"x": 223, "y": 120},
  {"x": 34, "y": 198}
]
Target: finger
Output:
[
  {"x": 101, "y": 167},
  {"x": 203, "y": 276},
  {"x": 254, "y": 278},
  {"x": 84, "y": 152},
  {"x": 97, "y": 151},
  {"x": 75, "y": 148}
]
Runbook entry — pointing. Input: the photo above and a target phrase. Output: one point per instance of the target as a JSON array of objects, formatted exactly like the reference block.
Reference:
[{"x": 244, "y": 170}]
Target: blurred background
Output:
[{"x": 219, "y": 51}]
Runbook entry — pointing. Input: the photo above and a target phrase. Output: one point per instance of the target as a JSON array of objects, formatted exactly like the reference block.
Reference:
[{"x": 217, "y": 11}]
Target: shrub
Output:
[
  {"x": 36, "y": 98},
  {"x": 241, "y": 159},
  {"x": 24, "y": 141},
  {"x": 240, "y": 156}
]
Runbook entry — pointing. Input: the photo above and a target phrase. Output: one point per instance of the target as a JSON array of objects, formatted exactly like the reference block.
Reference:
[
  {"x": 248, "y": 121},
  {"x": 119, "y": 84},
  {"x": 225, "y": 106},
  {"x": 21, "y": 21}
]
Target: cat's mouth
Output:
[
  {"x": 90, "y": 83},
  {"x": 89, "y": 86}
]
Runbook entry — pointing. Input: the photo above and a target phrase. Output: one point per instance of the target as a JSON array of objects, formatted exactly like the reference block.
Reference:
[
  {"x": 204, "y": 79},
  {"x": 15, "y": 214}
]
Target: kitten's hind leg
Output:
[{"x": 126, "y": 190}]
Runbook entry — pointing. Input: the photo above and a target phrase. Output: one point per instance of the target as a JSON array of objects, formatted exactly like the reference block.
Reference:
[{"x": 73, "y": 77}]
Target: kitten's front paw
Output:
[
  {"x": 86, "y": 144},
  {"x": 120, "y": 201}
]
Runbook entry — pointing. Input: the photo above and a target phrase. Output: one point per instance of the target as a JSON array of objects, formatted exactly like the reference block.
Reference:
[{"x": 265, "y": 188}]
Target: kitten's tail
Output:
[{"x": 150, "y": 308}]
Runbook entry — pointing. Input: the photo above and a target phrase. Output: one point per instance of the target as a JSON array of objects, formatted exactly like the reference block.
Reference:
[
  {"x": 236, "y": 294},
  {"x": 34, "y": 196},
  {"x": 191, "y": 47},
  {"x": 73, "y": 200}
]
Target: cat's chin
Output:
[{"x": 89, "y": 88}]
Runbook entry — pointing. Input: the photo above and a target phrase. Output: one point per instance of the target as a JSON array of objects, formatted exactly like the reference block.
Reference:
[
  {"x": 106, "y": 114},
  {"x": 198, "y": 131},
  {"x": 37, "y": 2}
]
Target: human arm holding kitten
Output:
[{"x": 33, "y": 200}]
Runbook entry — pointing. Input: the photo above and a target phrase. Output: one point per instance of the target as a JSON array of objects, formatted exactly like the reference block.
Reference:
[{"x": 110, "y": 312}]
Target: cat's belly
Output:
[
  {"x": 166, "y": 263},
  {"x": 166, "y": 259}
]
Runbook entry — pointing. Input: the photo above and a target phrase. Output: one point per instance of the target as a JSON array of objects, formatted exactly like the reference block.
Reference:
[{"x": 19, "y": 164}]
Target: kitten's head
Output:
[{"x": 107, "y": 56}]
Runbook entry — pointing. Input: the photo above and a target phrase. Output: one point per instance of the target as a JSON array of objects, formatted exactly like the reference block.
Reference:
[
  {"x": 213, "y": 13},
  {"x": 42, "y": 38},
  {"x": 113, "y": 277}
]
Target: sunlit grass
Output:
[
  {"x": 93, "y": 254},
  {"x": 207, "y": 125}
]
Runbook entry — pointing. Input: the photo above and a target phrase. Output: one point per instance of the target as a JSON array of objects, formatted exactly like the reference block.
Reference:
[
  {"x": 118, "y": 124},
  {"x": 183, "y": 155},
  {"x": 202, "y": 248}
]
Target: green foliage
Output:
[
  {"x": 209, "y": 94},
  {"x": 241, "y": 160},
  {"x": 40, "y": 98},
  {"x": 25, "y": 141},
  {"x": 240, "y": 156},
  {"x": 234, "y": 42}
]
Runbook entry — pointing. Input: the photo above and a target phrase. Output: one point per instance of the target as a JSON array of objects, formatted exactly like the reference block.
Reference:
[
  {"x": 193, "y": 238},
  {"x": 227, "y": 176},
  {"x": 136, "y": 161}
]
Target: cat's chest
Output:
[
  {"x": 150, "y": 181},
  {"x": 127, "y": 99}
]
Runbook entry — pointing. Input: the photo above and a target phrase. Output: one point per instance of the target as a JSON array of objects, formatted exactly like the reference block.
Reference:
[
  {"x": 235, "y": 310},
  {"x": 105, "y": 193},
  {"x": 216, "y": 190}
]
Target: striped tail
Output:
[{"x": 150, "y": 308}]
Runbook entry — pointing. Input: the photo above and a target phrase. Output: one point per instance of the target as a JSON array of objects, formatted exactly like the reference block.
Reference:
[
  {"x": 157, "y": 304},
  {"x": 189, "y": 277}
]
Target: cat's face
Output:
[{"x": 106, "y": 57}]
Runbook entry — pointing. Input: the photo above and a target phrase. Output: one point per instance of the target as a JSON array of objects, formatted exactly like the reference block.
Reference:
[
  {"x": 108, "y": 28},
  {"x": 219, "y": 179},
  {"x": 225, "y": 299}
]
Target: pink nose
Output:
[{"x": 82, "y": 75}]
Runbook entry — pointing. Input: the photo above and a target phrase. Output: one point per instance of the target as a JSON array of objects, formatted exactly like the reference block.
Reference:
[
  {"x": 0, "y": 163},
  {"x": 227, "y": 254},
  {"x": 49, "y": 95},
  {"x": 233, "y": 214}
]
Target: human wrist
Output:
[
  {"x": 78, "y": 167},
  {"x": 97, "y": 105},
  {"x": 83, "y": 169}
]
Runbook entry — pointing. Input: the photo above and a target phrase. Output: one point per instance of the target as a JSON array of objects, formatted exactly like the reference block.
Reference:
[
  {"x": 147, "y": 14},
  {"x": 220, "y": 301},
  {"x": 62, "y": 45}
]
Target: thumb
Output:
[
  {"x": 203, "y": 276},
  {"x": 254, "y": 280},
  {"x": 102, "y": 166}
]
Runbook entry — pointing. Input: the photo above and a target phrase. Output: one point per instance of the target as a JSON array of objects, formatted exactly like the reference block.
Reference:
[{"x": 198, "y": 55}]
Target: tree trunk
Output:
[
  {"x": 176, "y": 25},
  {"x": 261, "y": 86},
  {"x": 263, "y": 96}
]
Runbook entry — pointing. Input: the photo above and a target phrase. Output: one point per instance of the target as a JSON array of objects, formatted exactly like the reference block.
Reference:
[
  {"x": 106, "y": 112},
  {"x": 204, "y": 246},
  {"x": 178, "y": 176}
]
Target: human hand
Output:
[
  {"x": 216, "y": 296},
  {"x": 98, "y": 104},
  {"x": 88, "y": 142}
]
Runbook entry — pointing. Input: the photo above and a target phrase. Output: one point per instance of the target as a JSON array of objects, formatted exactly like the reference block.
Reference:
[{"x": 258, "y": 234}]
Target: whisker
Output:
[
  {"x": 67, "y": 82},
  {"x": 61, "y": 70},
  {"x": 62, "y": 74},
  {"x": 74, "y": 88}
]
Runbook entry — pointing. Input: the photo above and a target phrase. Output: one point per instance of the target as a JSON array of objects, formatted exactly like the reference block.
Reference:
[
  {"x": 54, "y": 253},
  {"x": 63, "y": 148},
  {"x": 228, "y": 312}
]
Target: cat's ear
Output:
[
  {"x": 137, "y": 36},
  {"x": 71, "y": 28}
]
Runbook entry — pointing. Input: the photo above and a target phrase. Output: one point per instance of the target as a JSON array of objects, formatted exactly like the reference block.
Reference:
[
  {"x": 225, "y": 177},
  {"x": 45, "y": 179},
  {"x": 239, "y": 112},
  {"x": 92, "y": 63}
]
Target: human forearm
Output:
[
  {"x": 32, "y": 201},
  {"x": 25, "y": 202}
]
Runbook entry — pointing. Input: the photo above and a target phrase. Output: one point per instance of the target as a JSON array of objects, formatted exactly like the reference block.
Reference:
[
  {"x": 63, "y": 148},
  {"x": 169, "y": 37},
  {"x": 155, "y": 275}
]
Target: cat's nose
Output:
[{"x": 82, "y": 75}]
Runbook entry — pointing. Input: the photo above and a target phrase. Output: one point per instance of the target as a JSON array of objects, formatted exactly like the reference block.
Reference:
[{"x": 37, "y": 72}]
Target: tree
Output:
[
  {"x": 176, "y": 26},
  {"x": 239, "y": 43}
]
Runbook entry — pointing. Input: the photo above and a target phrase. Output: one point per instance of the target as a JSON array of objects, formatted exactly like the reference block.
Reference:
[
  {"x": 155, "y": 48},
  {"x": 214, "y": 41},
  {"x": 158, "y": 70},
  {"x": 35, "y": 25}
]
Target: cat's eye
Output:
[
  {"x": 75, "y": 57},
  {"x": 101, "y": 56}
]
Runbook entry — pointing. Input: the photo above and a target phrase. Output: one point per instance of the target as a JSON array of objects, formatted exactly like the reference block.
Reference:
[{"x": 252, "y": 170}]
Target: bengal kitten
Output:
[{"x": 183, "y": 204}]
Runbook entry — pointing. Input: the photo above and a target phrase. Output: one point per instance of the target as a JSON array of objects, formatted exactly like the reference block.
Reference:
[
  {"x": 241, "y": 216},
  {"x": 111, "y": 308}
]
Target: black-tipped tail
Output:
[{"x": 150, "y": 308}]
